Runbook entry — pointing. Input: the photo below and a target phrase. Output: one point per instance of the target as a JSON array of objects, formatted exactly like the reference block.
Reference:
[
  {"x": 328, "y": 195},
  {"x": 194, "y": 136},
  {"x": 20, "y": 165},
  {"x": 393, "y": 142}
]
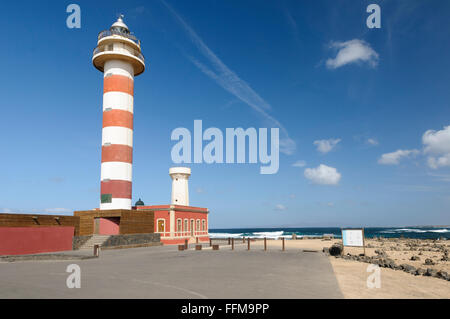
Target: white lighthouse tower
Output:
[
  {"x": 118, "y": 56},
  {"x": 180, "y": 187}
]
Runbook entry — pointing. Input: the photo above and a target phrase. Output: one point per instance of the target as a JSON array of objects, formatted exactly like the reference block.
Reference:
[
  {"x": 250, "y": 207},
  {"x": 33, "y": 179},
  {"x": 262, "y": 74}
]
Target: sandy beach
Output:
[{"x": 352, "y": 275}]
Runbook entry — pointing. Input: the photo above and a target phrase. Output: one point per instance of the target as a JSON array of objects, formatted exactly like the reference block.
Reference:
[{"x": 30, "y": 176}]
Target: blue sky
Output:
[{"x": 366, "y": 111}]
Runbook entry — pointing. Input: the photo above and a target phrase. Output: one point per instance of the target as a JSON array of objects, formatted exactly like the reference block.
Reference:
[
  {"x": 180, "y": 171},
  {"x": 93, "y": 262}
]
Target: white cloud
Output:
[
  {"x": 372, "y": 141},
  {"x": 57, "y": 210},
  {"x": 437, "y": 146},
  {"x": 353, "y": 51},
  {"x": 441, "y": 177},
  {"x": 280, "y": 207},
  {"x": 35, "y": 211},
  {"x": 325, "y": 146},
  {"x": 323, "y": 175},
  {"x": 8, "y": 211},
  {"x": 200, "y": 190},
  {"x": 231, "y": 82},
  {"x": 299, "y": 164},
  {"x": 441, "y": 161},
  {"x": 395, "y": 157}
]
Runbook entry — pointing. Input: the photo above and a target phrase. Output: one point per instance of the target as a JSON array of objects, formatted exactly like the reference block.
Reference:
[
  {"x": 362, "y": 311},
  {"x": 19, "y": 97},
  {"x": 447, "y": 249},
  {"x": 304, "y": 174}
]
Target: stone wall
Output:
[
  {"x": 131, "y": 239},
  {"x": 79, "y": 241}
]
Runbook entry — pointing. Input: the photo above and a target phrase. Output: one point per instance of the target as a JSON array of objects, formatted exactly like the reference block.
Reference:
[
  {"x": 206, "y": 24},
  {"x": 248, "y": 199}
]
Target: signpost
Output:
[{"x": 353, "y": 237}]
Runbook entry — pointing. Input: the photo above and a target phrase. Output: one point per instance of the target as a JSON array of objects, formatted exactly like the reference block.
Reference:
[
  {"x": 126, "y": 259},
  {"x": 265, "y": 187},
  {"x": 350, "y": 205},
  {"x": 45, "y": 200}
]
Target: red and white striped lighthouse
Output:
[{"x": 118, "y": 56}]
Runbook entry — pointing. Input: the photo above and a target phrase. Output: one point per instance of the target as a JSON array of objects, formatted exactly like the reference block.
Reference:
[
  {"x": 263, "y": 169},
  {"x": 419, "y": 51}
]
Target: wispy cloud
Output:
[
  {"x": 50, "y": 211},
  {"x": 441, "y": 177},
  {"x": 57, "y": 210},
  {"x": 231, "y": 82},
  {"x": 353, "y": 51},
  {"x": 395, "y": 157},
  {"x": 372, "y": 141},
  {"x": 200, "y": 190},
  {"x": 325, "y": 146},
  {"x": 280, "y": 207},
  {"x": 299, "y": 164}
]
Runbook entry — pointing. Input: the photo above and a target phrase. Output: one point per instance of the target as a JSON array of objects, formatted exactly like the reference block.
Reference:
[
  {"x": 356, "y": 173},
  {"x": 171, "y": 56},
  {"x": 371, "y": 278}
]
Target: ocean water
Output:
[{"x": 386, "y": 232}]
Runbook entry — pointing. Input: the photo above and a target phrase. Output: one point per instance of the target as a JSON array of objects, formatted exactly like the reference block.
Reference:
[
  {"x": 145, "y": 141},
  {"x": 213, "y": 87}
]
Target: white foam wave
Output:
[
  {"x": 270, "y": 235},
  {"x": 224, "y": 235},
  {"x": 440, "y": 231},
  {"x": 414, "y": 230}
]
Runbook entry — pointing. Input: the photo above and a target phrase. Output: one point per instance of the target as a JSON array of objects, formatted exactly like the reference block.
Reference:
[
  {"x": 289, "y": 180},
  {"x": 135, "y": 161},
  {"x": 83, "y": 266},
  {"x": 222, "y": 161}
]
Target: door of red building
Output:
[{"x": 161, "y": 226}]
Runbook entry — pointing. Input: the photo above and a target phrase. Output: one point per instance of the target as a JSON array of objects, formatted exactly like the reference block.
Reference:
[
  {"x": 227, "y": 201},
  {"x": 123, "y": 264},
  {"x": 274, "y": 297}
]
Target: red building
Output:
[{"x": 177, "y": 223}]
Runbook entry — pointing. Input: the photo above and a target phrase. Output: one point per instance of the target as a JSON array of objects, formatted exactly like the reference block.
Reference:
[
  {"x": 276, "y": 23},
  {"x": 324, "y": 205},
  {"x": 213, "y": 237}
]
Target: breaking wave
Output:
[{"x": 277, "y": 233}]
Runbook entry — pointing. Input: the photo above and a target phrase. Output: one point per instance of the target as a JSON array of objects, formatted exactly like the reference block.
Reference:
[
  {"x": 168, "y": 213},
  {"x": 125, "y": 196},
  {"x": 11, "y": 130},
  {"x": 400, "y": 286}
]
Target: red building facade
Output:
[{"x": 178, "y": 223}]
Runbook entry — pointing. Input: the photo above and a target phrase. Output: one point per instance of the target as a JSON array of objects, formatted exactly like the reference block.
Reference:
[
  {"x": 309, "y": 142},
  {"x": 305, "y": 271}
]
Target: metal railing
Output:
[
  {"x": 186, "y": 234},
  {"x": 104, "y": 49},
  {"x": 108, "y": 33}
]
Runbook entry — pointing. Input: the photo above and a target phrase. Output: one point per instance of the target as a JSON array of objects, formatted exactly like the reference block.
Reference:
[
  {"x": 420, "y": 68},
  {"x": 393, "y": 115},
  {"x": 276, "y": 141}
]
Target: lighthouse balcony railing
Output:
[
  {"x": 108, "y": 33},
  {"x": 120, "y": 50}
]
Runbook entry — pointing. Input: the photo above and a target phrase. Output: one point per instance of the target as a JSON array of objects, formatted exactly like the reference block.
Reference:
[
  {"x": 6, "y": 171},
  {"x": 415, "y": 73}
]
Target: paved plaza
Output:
[{"x": 165, "y": 272}]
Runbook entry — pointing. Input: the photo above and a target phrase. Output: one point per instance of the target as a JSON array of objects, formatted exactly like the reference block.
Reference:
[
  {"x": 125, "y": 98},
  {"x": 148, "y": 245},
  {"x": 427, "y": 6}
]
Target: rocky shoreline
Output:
[{"x": 391, "y": 253}]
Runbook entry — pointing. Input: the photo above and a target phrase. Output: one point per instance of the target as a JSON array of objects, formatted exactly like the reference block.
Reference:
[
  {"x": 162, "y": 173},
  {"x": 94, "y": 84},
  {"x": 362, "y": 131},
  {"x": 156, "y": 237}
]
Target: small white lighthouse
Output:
[
  {"x": 118, "y": 56},
  {"x": 180, "y": 186}
]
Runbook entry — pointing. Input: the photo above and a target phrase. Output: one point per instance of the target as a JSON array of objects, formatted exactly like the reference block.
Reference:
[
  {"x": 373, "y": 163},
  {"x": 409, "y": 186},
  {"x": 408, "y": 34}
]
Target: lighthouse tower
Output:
[
  {"x": 118, "y": 56},
  {"x": 180, "y": 188}
]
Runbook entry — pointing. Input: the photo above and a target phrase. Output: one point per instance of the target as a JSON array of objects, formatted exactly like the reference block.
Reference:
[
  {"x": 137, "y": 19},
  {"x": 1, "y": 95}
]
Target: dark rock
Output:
[
  {"x": 380, "y": 252},
  {"x": 431, "y": 272},
  {"x": 444, "y": 275},
  {"x": 429, "y": 261},
  {"x": 408, "y": 268},
  {"x": 415, "y": 258},
  {"x": 390, "y": 263},
  {"x": 336, "y": 250},
  {"x": 420, "y": 271}
]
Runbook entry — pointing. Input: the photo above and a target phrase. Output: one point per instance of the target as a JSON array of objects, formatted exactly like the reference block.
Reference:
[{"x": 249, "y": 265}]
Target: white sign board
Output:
[{"x": 353, "y": 237}]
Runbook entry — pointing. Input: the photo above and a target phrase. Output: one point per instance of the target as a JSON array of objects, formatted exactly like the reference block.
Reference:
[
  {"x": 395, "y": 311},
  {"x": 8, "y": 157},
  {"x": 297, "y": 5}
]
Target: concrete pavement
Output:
[{"x": 165, "y": 272}]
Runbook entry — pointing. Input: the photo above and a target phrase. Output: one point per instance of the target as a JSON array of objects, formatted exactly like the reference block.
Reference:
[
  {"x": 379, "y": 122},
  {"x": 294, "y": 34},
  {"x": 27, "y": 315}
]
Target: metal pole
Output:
[
  {"x": 232, "y": 243},
  {"x": 248, "y": 243},
  {"x": 282, "y": 240},
  {"x": 229, "y": 240},
  {"x": 265, "y": 243},
  {"x": 96, "y": 250}
]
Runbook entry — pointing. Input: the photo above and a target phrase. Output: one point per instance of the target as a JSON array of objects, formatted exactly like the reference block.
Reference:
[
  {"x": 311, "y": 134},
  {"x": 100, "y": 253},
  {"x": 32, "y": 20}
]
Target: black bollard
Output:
[{"x": 96, "y": 250}]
